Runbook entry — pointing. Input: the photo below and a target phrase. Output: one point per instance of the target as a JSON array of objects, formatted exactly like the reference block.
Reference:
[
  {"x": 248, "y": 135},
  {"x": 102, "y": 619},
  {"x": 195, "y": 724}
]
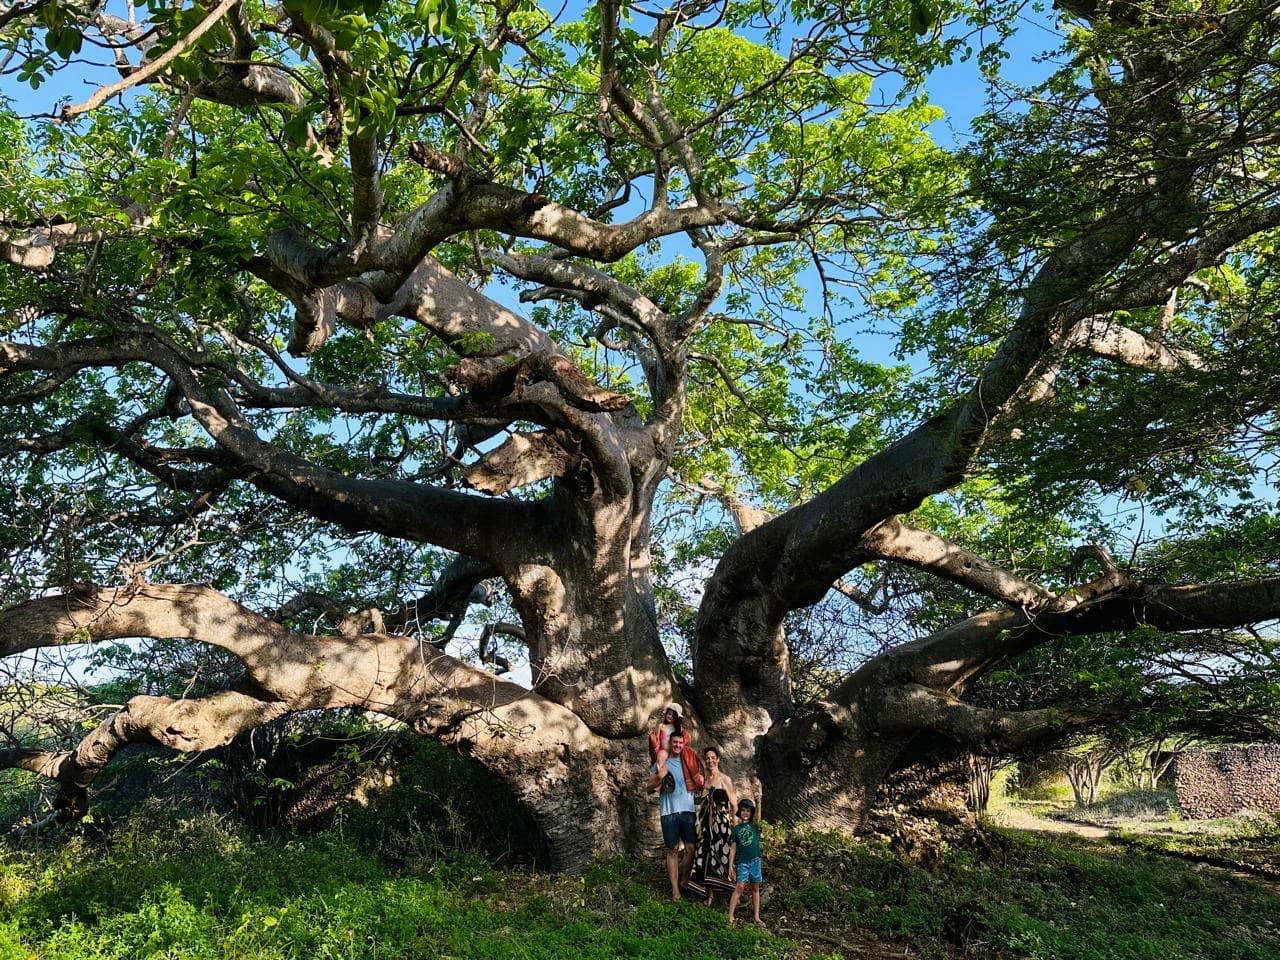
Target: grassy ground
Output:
[
  {"x": 1151, "y": 819},
  {"x": 1024, "y": 895},
  {"x": 202, "y": 889}
]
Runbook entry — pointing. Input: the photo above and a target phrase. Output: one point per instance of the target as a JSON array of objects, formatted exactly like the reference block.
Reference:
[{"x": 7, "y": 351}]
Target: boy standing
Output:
[{"x": 746, "y": 852}]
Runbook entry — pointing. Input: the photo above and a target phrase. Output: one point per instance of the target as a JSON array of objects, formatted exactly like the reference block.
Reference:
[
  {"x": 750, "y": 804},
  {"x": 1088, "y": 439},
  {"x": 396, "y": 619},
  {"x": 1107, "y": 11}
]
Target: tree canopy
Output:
[{"x": 688, "y": 339}]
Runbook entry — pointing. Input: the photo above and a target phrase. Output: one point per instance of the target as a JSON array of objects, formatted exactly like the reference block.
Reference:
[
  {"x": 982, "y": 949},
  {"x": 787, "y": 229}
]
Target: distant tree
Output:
[
  {"x": 980, "y": 771},
  {"x": 1084, "y": 768},
  {"x": 261, "y": 387}
]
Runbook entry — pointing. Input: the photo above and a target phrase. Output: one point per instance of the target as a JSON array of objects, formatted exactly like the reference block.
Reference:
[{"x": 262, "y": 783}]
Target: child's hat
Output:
[{"x": 748, "y": 803}]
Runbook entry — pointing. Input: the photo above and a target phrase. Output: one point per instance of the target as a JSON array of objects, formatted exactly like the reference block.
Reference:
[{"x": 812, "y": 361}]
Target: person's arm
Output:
[
  {"x": 693, "y": 762},
  {"x": 733, "y": 793}
]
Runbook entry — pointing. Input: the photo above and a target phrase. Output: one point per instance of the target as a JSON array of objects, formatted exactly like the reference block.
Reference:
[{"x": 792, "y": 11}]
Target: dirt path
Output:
[{"x": 1024, "y": 820}]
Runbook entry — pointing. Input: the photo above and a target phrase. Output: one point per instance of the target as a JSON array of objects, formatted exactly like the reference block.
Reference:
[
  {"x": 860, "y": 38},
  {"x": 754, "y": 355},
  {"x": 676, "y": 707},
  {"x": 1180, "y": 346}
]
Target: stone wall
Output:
[{"x": 1220, "y": 783}]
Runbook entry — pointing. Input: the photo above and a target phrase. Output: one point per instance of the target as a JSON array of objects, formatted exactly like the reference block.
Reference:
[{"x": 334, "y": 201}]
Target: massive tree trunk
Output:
[{"x": 591, "y": 624}]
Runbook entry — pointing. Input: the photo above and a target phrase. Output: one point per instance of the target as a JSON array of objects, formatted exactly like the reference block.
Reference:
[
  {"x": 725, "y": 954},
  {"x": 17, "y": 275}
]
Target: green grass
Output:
[
  {"x": 204, "y": 889},
  {"x": 1031, "y": 897},
  {"x": 1252, "y": 843}
]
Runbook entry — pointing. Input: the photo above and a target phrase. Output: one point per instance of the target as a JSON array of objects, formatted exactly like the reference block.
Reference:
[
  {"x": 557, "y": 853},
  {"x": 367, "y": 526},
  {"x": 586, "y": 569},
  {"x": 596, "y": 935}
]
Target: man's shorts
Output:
[
  {"x": 749, "y": 872},
  {"x": 677, "y": 827}
]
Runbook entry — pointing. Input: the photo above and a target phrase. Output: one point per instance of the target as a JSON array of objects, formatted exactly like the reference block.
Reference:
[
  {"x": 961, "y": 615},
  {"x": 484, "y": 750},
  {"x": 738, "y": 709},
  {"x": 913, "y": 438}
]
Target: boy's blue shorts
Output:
[{"x": 749, "y": 872}]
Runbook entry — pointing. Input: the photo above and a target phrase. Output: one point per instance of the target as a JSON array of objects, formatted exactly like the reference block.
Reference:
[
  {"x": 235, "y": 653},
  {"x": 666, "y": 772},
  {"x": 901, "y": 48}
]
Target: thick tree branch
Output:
[
  {"x": 152, "y": 67},
  {"x": 456, "y": 521},
  {"x": 366, "y": 209},
  {"x": 460, "y": 206},
  {"x": 188, "y": 726},
  {"x": 747, "y": 517},
  {"x": 950, "y": 658},
  {"x": 191, "y": 611},
  {"x": 1104, "y": 337},
  {"x": 894, "y": 540},
  {"x": 523, "y": 459},
  {"x": 499, "y": 376},
  {"x": 34, "y": 246},
  {"x": 567, "y": 275},
  {"x": 312, "y": 600},
  {"x": 914, "y": 708},
  {"x": 521, "y": 736},
  {"x": 1151, "y": 286}
]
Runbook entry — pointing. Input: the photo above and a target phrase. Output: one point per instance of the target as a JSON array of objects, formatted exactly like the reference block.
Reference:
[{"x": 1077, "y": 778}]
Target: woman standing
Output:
[
  {"x": 717, "y": 777},
  {"x": 715, "y": 831}
]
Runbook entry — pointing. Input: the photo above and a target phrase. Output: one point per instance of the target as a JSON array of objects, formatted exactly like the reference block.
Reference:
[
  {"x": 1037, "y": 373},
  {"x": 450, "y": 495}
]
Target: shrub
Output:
[{"x": 441, "y": 803}]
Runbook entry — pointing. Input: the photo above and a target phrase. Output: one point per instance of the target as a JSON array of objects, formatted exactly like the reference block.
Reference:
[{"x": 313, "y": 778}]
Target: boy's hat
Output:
[
  {"x": 748, "y": 803},
  {"x": 674, "y": 708}
]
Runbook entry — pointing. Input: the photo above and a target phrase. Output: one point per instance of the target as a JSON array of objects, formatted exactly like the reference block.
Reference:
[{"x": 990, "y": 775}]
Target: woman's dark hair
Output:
[{"x": 711, "y": 748}]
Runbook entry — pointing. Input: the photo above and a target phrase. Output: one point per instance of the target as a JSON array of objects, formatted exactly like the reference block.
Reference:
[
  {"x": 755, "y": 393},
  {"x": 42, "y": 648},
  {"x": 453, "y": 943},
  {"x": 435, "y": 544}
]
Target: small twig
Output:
[{"x": 719, "y": 367}]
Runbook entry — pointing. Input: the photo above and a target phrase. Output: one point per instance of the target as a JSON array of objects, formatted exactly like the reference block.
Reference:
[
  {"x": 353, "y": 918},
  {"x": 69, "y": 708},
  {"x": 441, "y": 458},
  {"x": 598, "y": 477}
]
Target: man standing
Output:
[{"x": 675, "y": 803}]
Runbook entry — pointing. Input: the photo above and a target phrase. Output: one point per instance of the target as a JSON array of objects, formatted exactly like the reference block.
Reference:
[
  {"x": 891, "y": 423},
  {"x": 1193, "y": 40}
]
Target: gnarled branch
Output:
[
  {"x": 994, "y": 732},
  {"x": 523, "y": 459}
]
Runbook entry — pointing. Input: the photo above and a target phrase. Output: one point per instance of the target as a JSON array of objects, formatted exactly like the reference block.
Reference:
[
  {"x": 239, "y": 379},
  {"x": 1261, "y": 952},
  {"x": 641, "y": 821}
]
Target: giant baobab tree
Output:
[{"x": 258, "y": 285}]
